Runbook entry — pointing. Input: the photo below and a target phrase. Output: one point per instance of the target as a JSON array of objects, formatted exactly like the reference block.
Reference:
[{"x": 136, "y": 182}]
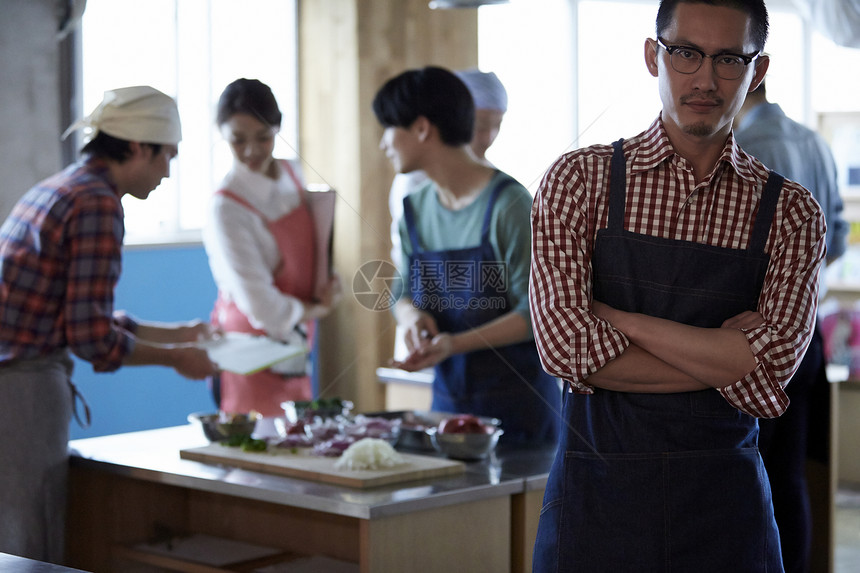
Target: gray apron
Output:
[{"x": 35, "y": 411}]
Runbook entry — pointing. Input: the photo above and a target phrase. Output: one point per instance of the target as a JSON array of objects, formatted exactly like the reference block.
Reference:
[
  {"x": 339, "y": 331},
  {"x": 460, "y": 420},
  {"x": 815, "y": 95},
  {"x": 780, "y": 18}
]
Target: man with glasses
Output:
[{"x": 674, "y": 288}]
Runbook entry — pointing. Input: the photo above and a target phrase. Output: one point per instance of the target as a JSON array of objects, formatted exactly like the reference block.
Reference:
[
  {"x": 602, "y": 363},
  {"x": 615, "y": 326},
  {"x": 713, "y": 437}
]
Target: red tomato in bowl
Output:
[{"x": 463, "y": 424}]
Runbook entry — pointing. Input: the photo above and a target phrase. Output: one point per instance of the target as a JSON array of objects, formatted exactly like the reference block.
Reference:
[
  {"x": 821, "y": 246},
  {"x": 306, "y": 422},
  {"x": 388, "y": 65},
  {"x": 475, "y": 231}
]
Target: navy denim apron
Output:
[
  {"x": 663, "y": 482},
  {"x": 463, "y": 289}
]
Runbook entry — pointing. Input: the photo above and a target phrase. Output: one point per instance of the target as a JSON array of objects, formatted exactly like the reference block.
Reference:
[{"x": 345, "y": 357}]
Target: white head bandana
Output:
[
  {"x": 139, "y": 113},
  {"x": 486, "y": 89}
]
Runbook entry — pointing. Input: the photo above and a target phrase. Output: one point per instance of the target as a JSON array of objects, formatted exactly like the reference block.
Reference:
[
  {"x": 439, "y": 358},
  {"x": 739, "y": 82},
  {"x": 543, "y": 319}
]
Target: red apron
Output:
[{"x": 264, "y": 391}]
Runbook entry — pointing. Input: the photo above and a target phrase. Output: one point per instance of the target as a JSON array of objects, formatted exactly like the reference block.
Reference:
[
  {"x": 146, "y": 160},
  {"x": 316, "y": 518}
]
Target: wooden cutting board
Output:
[{"x": 304, "y": 465}]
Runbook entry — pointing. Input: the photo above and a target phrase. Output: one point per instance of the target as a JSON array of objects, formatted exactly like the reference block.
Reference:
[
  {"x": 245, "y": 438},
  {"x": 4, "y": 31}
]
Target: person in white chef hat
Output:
[{"x": 60, "y": 259}]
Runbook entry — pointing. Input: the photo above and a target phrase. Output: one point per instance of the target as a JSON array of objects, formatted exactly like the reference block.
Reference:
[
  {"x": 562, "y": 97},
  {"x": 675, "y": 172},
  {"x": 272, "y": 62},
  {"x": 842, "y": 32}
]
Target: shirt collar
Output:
[
  {"x": 252, "y": 185},
  {"x": 738, "y": 159},
  {"x": 98, "y": 167},
  {"x": 656, "y": 148}
]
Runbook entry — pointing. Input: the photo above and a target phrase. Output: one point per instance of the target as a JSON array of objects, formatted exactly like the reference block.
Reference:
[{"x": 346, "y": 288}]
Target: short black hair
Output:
[
  {"x": 754, "y": 8},
  {"x": 251, "y": 97},
  {"x": 110, "y": 147},
  {"x": 432, "y": 92}
]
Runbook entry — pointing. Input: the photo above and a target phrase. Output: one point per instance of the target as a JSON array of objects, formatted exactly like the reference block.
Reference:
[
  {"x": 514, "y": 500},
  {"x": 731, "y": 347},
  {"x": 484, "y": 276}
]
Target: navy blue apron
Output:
[
  {"x": 663, "y": 482},
  {"x": 463, "y": 289}
]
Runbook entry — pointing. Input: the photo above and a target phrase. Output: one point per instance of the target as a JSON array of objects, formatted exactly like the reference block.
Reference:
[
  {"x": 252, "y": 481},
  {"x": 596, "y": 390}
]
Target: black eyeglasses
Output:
[{"x": 688, "y": 60}]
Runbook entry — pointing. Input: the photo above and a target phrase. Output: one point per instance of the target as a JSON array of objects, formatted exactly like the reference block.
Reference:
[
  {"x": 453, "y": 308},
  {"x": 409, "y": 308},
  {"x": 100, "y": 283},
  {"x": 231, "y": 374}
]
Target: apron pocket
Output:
[
  {"x": 678, "y": 511},
  {"x": 611, "y": 515},
  {"x": 723, "y": 496}
]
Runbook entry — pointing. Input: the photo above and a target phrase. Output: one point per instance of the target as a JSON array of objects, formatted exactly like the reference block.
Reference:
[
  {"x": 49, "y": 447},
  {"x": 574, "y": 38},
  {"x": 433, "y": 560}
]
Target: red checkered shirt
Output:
[
  {"x": 60, "y": 259},
  {"x": 663, "y": 200}
]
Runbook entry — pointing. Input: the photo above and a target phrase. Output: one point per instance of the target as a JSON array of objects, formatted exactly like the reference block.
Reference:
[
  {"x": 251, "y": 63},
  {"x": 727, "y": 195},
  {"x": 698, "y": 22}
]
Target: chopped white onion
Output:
[{"x": 369, "y": 454}]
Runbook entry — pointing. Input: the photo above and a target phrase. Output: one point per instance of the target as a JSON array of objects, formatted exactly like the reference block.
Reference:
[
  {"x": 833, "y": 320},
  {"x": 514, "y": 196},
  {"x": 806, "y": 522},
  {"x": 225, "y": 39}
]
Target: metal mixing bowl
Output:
[
  {"x": 217, "y": 429},
  {"x": 465, "y": 446}
]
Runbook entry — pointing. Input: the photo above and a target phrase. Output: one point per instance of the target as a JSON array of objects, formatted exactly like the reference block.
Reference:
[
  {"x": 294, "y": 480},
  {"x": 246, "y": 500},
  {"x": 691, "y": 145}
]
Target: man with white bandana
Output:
[{"x": 60, "y": 259}]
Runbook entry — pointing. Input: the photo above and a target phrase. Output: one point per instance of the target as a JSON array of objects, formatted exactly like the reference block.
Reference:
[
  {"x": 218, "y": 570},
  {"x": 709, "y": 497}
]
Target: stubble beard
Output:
[{"x": 700, "y": 129}]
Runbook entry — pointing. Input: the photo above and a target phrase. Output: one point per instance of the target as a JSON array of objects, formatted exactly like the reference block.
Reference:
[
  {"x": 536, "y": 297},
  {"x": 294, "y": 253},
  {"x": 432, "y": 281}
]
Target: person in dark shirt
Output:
[{"x": 793, "y": 150}]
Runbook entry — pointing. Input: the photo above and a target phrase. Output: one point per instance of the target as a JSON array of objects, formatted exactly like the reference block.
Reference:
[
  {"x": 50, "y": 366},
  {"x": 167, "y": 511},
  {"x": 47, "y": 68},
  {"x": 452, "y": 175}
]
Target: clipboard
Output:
[{"x": 321, "y": 205}]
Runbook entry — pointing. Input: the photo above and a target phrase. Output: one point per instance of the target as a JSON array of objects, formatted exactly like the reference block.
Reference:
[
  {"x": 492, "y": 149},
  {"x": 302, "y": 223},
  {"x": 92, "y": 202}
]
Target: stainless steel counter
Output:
[
  {"x": 15, "y": 564},
  {"x": 153, "y": 456}
]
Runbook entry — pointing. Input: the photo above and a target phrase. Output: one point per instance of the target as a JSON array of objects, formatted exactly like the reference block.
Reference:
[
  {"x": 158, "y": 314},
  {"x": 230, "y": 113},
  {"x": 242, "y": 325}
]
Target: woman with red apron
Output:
[
  {"x": 260, "y": 243},
  {"x": 264, "y": 391}
]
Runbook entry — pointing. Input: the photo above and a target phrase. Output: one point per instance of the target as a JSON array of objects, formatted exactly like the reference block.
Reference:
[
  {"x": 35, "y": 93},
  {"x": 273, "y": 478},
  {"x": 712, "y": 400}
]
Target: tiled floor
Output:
[{"x": 847, "y": 530}]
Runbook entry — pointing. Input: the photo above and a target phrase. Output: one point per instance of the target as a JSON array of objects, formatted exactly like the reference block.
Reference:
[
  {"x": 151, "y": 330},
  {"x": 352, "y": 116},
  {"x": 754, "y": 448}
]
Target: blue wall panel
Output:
[{"x": 162, "y": 284}]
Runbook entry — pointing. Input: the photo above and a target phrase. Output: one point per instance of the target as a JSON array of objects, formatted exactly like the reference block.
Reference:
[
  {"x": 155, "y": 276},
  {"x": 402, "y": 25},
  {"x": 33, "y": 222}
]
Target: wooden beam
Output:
[{"x": 347, "y": 49}]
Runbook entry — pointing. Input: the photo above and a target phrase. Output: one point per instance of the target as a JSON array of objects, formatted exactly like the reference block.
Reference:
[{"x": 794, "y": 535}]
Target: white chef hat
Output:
[
  {"x": 486, "y": 89},
  {"x": 139, "y": 113}
]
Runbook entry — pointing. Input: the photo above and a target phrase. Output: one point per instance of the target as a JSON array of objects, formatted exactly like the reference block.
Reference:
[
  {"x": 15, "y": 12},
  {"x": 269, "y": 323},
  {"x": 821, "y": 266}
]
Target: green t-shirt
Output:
[{"x": 440, "y": 229}]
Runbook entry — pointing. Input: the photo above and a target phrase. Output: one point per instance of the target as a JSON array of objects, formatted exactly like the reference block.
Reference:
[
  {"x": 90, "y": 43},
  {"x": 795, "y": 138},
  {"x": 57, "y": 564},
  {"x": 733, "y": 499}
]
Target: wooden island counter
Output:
[{"x": 128, "y": 490}]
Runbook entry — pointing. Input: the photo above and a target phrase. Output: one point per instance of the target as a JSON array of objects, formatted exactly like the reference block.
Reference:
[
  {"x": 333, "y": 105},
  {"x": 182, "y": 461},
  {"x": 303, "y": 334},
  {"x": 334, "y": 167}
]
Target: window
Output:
[
  {"x": 189, "y": 50},
  {"x": 529, "y": 46},
  {"x": 576, "y": 75}
]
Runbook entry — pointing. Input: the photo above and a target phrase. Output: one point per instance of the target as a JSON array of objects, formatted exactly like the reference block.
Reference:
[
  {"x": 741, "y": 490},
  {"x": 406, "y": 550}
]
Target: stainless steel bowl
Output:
[
  {"x": 217, "y": 428},
  {"x": 415, "y": 423},
  {"x": 465, "y": 446}
]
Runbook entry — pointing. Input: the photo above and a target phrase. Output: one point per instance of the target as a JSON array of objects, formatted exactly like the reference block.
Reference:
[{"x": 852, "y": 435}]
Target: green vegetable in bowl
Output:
[
  {"x": 247, "y": 443},
  {"x": 253, "y": 445},
  {"x": 320, "y": 404}
]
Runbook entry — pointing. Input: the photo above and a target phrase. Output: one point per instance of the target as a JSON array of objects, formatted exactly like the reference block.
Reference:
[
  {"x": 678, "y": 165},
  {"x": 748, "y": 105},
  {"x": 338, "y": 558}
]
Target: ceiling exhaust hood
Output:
[{"x": 450, "y": 4}]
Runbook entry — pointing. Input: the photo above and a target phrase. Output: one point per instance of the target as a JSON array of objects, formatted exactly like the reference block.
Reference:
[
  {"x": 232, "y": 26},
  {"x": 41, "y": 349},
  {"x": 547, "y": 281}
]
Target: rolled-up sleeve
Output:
[
  {"x": 788, "y": 303},
  {"x": 571, "y": 341}
]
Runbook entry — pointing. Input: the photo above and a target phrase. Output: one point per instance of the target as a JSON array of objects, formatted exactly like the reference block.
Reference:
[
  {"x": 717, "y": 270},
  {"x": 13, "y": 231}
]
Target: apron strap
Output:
[
  {"x": 240, "y": 200},
  {"x": 411, "y": 228},
  {"x": 244, "y": 202},
  {"x": 78, "y": 398},
  {"x": 766, "y": 209},
  {"x": 488, "y": 214},
  {"x": 617, "y": 187},
  {"x": 292, "y": 174}
]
